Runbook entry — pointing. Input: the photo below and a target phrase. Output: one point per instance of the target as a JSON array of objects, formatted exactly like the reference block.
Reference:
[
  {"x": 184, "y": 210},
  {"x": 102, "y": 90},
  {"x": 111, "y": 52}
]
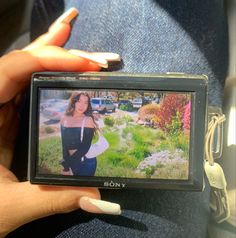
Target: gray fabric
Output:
[{"x": 14, "y": 22}]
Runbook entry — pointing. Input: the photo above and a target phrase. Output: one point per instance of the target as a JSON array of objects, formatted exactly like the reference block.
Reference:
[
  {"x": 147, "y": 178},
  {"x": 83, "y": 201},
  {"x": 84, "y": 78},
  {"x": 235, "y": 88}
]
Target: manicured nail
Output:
[
  {"x": 99, "y": 206},
  {"x": 66, "y": 17},
  {"x": 110, "y": 57},
  {"x": 98, "y": 60}
]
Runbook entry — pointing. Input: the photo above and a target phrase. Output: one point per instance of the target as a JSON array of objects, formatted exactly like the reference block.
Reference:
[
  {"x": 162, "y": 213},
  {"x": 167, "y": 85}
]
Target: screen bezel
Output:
[{"x": 196, "y": 85}]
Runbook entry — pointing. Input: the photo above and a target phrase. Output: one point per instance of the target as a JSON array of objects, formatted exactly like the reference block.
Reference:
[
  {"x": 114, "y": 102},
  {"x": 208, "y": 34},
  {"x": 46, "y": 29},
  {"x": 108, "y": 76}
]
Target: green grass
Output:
[
  {"x": 122, "y": 159},
  {"x": 127, "y": 148},
  {"x": 50, "y": 153}
]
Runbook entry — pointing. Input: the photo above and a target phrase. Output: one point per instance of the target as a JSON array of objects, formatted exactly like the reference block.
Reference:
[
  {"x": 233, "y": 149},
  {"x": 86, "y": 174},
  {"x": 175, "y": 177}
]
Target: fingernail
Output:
[
  {"x": 66, "y": 17},
  {"x": 98, "y": 60},
  {"x": 99, "y": 206},
  {"x": 110, "y": 57}
]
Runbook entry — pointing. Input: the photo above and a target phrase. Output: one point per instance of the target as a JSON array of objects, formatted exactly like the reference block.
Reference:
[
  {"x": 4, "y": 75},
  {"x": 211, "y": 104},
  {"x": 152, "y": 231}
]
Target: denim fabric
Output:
[
  {"x": 151, "y": 36},
  {"x": 43, "y": 14},
  {"x": 157, "y": 36},
  {"x": 87, "y": 167}
]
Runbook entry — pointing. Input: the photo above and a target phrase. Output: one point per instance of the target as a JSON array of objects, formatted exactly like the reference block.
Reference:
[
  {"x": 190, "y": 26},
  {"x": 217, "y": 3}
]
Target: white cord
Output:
[{"x": 215, "y": 121}]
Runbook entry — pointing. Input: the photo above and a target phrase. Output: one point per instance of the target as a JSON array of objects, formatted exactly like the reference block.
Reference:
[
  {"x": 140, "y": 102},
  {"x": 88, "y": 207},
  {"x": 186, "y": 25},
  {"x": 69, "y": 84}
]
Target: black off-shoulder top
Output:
[{"x": 71, "y": 140}]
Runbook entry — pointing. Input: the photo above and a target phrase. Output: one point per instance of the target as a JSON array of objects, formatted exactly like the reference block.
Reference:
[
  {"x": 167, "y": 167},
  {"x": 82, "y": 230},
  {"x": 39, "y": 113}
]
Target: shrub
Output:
[
  {"x": 127, "y": 107},
  {"x": 181, "y": 142},
  {"x": 172, "y": 106},
  {"x": 139, "y": 152},
  {"x": 123, "y": 120},
  {"x": 49, "y": 130},
  {"x": 148, "y": 112},
  {"x": 109, "y": 121},
  {"x": 164, "y": 145},
  {"x": 129, "y": 162},
  {"x": 149, "y": 171},
  {"x": 114, "y": 158},
  {"x": 128, "y": 118},
  {"x": 175, "y": 127}
]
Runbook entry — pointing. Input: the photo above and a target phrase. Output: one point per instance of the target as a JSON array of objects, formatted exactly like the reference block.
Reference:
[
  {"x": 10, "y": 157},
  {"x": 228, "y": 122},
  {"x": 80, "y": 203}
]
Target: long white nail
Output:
[
  {"x": 99, "y": 60},
  {"x": 99, "y": 206},
  {"x": 110, "y": 57},
  {"x": 66, "y": 17}
]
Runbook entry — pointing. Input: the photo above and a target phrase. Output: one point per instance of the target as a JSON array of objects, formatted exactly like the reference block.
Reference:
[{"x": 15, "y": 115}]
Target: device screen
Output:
[{"x": 118, "y": 133}]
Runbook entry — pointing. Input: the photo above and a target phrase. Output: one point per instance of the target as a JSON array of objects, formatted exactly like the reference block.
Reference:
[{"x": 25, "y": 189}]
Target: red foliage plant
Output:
[{"x": 171, "y": 105}]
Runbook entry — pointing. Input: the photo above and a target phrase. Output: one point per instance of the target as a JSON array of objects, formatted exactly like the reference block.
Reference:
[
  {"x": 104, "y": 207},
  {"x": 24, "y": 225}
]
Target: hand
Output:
[{"x": 22, "y": 202}]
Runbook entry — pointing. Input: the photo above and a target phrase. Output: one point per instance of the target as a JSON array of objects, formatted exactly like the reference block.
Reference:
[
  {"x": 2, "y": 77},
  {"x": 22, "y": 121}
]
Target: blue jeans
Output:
[
  {"x": 87, "y": 167},
  {"x": 151, "y": 36}
]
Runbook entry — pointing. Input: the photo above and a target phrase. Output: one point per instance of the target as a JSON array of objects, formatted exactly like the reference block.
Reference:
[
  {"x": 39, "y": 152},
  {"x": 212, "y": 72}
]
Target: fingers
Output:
[
  {"x": 24, "y": 202},
  {"x": 58, "y": 59},
  {"x": 101, "y": 58},
  {"x": 55, "y": 199},
  {"x": 58, "y": 32},
  {"x": 99, "y": 206},
  {"x": 17, "y": 67},
  {"x": 50, "y": 200},
  {"x": 29, "y": 202},
  {"x": 46, "y": 58}
]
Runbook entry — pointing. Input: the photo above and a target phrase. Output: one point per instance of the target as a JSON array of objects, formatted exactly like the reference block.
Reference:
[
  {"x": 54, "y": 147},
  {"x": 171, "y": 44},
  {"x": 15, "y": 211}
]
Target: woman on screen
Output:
[{"x": 77, "y": 130}]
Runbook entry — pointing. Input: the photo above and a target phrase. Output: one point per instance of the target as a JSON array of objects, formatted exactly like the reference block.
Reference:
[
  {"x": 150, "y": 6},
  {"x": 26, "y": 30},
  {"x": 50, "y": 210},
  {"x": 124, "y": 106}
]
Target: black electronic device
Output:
[{"x": 154, "y": 124}]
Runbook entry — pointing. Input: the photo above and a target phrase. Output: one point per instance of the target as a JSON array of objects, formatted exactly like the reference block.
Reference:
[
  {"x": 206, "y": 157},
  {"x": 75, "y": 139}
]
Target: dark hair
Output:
[{"x": 75, "y": 97}]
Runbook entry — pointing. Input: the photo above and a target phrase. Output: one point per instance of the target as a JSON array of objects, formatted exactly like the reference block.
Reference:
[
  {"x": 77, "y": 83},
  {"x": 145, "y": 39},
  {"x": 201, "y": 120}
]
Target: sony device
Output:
[{"x": 141, "y": 130}]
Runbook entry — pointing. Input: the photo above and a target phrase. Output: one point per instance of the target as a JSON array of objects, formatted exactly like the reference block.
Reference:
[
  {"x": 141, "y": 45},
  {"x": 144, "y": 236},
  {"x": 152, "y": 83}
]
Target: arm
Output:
[
  {"x": 85, "y": 144},
  {"x": 89, "y": 130}
]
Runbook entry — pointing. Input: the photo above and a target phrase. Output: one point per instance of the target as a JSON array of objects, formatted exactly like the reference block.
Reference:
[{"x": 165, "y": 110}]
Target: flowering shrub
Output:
[{"x": 172, "y": 108}]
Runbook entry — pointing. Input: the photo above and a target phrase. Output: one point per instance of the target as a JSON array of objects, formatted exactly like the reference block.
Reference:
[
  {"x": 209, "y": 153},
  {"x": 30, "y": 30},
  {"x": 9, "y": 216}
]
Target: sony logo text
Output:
[{"x": 112, "y": 184}]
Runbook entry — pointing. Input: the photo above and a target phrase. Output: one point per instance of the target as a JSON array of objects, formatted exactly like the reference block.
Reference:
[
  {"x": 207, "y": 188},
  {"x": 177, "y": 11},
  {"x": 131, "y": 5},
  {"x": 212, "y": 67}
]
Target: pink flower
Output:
[{"x": 187, "y": 116}]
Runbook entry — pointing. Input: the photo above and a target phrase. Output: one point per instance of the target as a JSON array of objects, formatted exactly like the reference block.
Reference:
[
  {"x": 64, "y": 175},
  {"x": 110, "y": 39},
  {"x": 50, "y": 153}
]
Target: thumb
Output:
[
  {"x": 45, "y": 58},
  {"x": 22, "y": 202}
]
